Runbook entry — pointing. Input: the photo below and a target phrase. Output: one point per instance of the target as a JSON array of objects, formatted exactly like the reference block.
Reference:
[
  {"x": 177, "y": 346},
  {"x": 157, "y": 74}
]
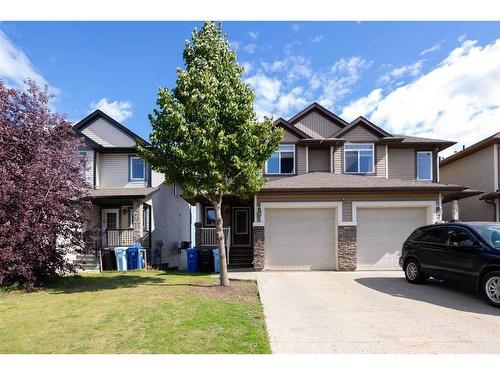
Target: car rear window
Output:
[{"x": 434, "y": 235}]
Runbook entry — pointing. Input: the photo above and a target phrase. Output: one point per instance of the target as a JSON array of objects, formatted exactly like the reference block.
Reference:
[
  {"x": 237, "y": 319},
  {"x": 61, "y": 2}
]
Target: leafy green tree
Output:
[{"x": 205, "y": 136}]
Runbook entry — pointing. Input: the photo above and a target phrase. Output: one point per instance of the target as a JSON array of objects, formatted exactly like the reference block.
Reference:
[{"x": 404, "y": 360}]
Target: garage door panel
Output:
[
  {"x": 381, "y": 233},
  {"x": 300, "y": 238}
]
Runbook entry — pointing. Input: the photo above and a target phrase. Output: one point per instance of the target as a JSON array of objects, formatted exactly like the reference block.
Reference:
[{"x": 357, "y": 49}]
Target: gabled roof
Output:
[
  {"x": 488, "y": 141},
  {"x": 88, "y": 141},
  {"x": 281, "y": 122},
  {"x": 369, "y": 125},
  {"x": 323, "y": 111},
  {"x": 100, "y": 114}
]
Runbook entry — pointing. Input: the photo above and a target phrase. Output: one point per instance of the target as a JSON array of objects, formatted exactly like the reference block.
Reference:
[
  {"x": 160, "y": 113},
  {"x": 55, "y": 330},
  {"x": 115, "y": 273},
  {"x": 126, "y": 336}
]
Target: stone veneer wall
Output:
[
  {"x": 258, "y": 247},
  {"x": 347, "y": 248},
  {"x": 137, "y": 213}
]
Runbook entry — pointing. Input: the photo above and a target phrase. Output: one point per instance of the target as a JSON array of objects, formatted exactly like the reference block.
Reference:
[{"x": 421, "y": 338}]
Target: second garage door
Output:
[
  {"x": 300, "y": 238},
  {"x": 381, "y": 233}
]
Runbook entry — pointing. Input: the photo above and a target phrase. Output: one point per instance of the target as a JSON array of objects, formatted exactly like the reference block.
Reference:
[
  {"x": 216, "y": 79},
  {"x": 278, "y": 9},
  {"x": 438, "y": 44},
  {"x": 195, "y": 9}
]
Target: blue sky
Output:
[{"x": 438, "y": 79}]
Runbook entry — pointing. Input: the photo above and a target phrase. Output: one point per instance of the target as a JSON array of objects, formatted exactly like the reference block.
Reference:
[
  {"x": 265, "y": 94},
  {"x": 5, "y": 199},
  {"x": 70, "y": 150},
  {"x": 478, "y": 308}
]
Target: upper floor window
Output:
[
  {"x": 424, "y": 165},
  {"x": 209, "y": 216},
  {"x": 137, "y": 168},
  {"x": 359, "y": 158},
  {"x": 282, "y": 161},
  {"x": 83, "y": 163}
]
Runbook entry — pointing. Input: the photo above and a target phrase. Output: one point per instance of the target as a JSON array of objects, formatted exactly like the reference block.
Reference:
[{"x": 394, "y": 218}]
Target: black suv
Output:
[{"x": 463, "y": 252}]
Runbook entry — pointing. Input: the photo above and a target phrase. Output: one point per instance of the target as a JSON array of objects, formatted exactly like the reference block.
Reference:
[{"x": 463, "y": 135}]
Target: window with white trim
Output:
[
  {"x": 282, "y": 161},
  {"x": 209, "y": 216},
  {"x": 359, "y": 158},
  {"x": 137, "y": 169},
  {"x": 424, "y": 165}
]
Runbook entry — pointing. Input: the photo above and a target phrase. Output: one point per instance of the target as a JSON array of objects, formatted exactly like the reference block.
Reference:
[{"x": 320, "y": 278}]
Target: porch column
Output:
[
  {"x": 197, "y": 234},
  {"x": 258, "y": 246},
  {"x": 137, "y": 212},
  {"x": 455, "y": 211}
]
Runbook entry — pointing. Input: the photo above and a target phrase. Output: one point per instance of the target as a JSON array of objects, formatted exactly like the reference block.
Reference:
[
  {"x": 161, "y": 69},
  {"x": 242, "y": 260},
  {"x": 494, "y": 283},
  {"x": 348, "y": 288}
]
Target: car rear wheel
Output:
[
  {"x": 491, "y": 288},
  {"x": 413, "y": 272}
]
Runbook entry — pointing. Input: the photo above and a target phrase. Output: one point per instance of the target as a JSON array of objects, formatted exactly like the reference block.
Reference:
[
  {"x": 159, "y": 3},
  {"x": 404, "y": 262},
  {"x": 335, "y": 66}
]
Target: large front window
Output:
[
  {"x": 282, "y": 161},
  {"x": 137, "y": 169},
  {"x": 424, "y": 165},
  {"x": 358, "y": 157}
]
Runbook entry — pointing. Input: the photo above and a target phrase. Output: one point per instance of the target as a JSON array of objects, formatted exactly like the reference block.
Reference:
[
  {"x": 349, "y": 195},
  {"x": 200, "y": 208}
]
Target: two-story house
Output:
[
  {"x": 132, "y": 204},
  {"x": 339, "y": 196},
  {"x": 476, "y": 166}
]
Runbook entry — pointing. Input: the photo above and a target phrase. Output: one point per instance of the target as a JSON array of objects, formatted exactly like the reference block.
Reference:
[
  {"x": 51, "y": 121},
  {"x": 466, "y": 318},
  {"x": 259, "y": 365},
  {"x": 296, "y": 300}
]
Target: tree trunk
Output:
[{"x": 219, "y": 227}]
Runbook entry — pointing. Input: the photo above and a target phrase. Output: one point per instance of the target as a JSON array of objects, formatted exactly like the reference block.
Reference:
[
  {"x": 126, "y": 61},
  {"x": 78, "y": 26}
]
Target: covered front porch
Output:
[
  {"x": 123, "y": 219},
  {"x": 238, "y": 217}
]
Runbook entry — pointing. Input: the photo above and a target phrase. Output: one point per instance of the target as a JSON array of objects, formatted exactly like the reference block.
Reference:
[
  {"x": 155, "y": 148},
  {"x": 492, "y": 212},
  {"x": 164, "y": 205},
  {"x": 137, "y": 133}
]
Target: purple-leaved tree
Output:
[{"x": 43, "y": 204}]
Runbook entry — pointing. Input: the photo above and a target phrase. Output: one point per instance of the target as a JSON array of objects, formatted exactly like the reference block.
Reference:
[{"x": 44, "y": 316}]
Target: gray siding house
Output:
[
  {"x": 339, "y": 196},
  {"x": 132, "y": 204},
  {"x": 476, "y": 166}
]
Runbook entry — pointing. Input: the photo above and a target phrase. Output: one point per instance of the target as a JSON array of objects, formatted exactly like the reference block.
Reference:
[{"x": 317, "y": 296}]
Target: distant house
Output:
[
  {"x": 339, "y": 196},
  {"x": 476, "y": 166},
  {"x": 131, "y": 203}
]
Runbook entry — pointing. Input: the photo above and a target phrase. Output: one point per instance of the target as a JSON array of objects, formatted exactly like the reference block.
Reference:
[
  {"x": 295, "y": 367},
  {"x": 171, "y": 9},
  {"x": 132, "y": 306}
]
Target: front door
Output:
[
  {"x": 241, "y": 226},
  {"x": 109, "y": 220}
]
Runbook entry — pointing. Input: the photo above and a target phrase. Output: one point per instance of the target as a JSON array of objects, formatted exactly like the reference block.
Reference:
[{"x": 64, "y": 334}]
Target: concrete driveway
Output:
[{"x": 373, "y": 312}]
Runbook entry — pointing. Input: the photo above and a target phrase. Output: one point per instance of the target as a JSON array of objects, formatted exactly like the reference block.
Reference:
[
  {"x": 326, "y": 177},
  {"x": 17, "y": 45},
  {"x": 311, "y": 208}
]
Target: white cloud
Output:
[
  {"x": 264, "y": 86},
  {"x": 253, "y": 34},
  {"x": 362, "y": 106},
  {"x": 457, "y": 100},
  {"x": 412, "y": 70},
  {"x": 317, "y": 39},
  {"x": 296, "y": 27},
  {"x": 234, "y": 44},
  {"x": 16, "y": 67},
  {"x": 250, "y": 48},
  {"x": 435, "y": 47},
  {"x": 338, "y": 82},
  {"x": 247, "y": 66},
  {"x": 462, "y": 38},
  {"x": 119, "y": 110},
  {"x": 291, "y": 100}
]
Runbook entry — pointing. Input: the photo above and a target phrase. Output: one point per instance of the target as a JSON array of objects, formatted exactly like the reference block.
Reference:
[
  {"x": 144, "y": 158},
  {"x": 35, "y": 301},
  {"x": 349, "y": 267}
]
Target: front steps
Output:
[{"x": 241, "y": 257}]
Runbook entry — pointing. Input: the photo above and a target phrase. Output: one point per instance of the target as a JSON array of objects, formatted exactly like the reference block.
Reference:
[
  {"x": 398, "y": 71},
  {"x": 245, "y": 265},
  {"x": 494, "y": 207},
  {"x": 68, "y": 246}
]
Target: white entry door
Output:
[
  {"x": 381, "y": 233},
  {"x": 110, "y": 220},
  {"x": 300, "y": 238}
]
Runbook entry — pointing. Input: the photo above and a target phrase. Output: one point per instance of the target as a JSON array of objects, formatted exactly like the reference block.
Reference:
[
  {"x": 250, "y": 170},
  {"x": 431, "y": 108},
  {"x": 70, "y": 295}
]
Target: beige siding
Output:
[
  {"x": 289, "y": 137},
  {"x": 348, "y": 198},
  {"x": 381, "y": 160},
  {"x": 107, "y": 135},
  {"x": 402, "y": 163},
  {"x": 317, "y": 126},
  {"x": 319, "y": 160},
  {"x": 156, "y": 178},
  {"x": 97, "y": 169},
  {"x": 301, "y": 159},
  {"x": 477, "y": 172},
  {"x": 360, "y": 134},
  {"x": 114, "y": 171},
  {"x": 337, "y": 160}
]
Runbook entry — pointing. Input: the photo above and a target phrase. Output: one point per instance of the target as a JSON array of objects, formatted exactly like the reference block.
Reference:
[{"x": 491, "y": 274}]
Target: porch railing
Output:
[
  {"x": 121, "y": 237},
  {"x": 209, "y": 238}
]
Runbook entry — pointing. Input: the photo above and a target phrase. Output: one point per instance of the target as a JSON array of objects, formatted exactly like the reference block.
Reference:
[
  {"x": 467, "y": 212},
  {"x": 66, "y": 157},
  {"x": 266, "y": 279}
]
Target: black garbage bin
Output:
[
  {"x": 206, "y": 261},
  {"x": 108, "y": 260}
]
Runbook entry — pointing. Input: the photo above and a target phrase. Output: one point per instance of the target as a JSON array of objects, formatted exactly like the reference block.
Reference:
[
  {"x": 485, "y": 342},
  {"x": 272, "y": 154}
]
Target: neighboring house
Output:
[
  {"x": 476, "y": 166},
  {"x": 340, "y": 196},
  {"x": 131, "y": 202}
]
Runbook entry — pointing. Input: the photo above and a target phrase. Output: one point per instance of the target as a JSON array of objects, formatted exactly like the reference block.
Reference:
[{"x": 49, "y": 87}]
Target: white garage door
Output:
[
  {"x": 381, "y": 233},
  {"x": 300, "y": 238}
]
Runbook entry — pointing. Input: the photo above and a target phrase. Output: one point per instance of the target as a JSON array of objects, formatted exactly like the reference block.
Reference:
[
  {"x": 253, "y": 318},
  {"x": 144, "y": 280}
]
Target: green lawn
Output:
[{"x": 134, "y": 312}]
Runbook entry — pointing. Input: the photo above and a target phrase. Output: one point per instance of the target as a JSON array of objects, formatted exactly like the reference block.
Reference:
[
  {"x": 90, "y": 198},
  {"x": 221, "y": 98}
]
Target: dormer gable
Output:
[
  {"x": 292, "y": 134},
  {"x": 317, "y": 121},
  {"x": 361, "y": 129},
  {"x": 106, "y": 132}
]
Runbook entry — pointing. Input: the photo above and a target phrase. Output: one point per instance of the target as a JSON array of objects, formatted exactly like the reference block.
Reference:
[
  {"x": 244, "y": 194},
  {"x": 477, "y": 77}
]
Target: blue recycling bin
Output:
[
  {"x": 121, "y": 258},
  {"x": 133, "y": 257},
  {"x": 141, "y": 260},
  {"x": 216, "y": 260},
  {"x": 192, "y": 259}
]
